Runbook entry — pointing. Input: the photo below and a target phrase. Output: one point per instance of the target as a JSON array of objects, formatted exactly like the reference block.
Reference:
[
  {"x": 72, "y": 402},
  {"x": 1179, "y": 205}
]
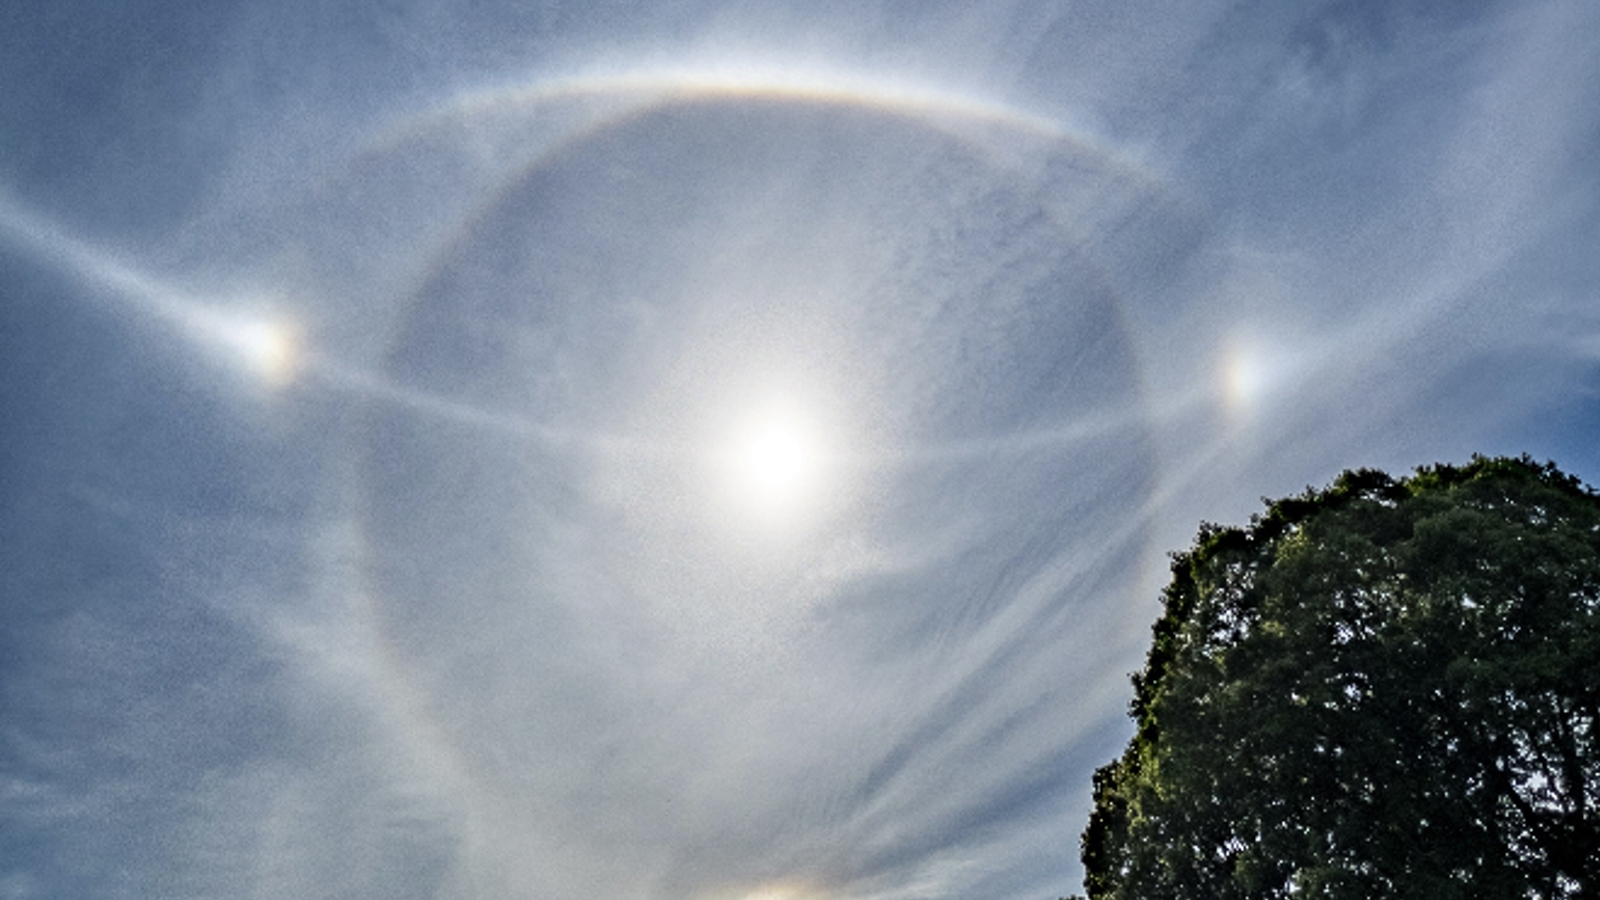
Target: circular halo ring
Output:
[{"x": 596, "y": 104}]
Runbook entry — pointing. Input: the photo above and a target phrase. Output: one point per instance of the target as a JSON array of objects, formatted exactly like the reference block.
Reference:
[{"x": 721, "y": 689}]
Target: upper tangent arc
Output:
[{"x": 531, "y": 113}]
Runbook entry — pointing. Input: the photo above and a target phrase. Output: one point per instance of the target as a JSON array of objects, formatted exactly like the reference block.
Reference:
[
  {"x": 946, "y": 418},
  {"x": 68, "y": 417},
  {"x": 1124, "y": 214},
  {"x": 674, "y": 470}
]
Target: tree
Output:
[{"x": 1388, "y": 688}]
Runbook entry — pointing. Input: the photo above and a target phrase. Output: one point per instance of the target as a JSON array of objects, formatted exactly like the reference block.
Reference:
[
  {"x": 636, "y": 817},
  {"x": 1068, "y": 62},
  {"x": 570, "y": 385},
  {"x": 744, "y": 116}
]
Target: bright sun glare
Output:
[{"x": 776, "y": 457}]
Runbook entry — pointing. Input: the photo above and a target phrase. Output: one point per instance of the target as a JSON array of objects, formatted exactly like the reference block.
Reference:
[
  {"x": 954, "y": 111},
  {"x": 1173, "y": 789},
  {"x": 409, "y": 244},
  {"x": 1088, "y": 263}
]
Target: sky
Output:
[{"x": 709, "y": 450}]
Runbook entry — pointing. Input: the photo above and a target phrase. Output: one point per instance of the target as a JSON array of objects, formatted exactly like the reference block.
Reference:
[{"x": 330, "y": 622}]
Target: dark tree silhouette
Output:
[{"x": 1388, "y": 688}]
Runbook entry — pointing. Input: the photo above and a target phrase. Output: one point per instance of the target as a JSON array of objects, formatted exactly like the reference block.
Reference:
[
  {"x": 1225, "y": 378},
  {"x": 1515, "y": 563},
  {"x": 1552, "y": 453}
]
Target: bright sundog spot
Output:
[
  {"x": 270, "y": 349},
  {"x": 267, "y": 347}
]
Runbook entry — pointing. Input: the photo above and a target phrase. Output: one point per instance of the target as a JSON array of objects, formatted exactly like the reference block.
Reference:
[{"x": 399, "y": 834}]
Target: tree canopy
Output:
[{"x": 1387, "y": 688}]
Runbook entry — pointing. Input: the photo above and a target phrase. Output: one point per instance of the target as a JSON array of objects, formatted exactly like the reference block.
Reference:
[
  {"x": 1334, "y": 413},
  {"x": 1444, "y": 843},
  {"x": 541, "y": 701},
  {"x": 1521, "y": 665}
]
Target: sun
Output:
[
  {"x": 777, "y": 465},
  {"x": 776, "y": 457}
]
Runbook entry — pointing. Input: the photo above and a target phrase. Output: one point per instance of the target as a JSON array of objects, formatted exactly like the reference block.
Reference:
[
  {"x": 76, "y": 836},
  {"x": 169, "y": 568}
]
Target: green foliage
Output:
[{"x": 1388, "y": 688}]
